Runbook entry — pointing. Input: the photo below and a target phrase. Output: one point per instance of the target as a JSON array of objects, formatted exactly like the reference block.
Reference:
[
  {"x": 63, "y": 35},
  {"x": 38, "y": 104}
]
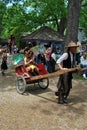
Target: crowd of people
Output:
[
  {"x": 49, "y": 57},
  {"x": 66, "y": 61},
  {"x": 10, "y": 48}
]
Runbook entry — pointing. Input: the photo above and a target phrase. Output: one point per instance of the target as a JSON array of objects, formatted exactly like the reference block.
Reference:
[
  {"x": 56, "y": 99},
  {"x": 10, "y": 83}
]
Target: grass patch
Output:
[{"x": 78, "y": 76}]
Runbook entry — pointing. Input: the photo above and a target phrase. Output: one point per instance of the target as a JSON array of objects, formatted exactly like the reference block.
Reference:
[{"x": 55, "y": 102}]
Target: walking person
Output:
[
  {"x": 11, "y": 43},
  {"x": 4, "y": 62},
  {"x": 65, "y": 62}
]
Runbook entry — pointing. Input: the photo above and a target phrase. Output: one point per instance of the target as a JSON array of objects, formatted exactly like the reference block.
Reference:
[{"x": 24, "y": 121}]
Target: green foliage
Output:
[
  {"x": 31, "y": 14},
  {"x": 83, "y": 16},
  {"x": 14, "y": 21},
  {"x": 27, "y": 15},
  {"x": 48, "y": 11},
  {"x": 78, "y": 76},
  {"x": 2, "y": 11}
]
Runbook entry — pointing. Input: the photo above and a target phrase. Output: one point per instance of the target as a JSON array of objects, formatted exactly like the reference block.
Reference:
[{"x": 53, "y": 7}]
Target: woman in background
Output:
[
  {"x": 48, "y": 58},
  {"x": 4, "y": 62}
]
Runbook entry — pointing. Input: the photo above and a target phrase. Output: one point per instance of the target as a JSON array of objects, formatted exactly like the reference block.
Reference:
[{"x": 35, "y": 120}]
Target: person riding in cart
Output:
[{"x": 30, "y": 63}]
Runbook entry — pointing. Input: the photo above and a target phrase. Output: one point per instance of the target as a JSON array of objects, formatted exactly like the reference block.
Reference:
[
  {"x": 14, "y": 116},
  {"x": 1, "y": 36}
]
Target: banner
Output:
[
  {"x": 19, "y": 58},
  {"x": 15, "y": 59}
]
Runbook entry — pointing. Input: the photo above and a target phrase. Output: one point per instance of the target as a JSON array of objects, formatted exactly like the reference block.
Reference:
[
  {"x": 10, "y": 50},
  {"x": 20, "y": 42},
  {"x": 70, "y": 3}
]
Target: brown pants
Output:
[{"x": 64, "y": 85}]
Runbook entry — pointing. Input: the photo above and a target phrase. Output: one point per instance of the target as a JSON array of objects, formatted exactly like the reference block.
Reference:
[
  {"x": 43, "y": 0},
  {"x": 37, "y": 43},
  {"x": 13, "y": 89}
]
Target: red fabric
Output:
[
  {"x": 20, "y": 70},
  {"x": 42, "y": 69}
]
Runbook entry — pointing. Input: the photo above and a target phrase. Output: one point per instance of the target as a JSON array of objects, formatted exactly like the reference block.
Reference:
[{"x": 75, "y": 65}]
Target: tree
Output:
[
  {"x": 14, "y": 21},
  {"x": 28, "y": 15},
  {"x": 83, "y": 16},
  {"x": 73, "y": 20},
  {"x": 50, "y": 12},
  {"x": 2, "y": 12},
  {"x": 31, "y": 14}
]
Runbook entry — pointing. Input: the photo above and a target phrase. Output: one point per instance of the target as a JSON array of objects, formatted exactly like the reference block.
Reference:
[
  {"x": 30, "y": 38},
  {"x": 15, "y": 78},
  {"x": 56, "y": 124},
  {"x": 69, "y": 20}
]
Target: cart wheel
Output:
[
  {"x": 43, "y": 83},
  {"x": 20, "y": 85}
]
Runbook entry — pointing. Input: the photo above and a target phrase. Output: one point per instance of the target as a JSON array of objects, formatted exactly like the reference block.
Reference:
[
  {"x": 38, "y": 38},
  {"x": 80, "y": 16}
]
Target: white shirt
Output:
[
  {"x": 64, "y": 57},
  {"x": 53, "y": 55},
  {"x": 83, "y": 61}
]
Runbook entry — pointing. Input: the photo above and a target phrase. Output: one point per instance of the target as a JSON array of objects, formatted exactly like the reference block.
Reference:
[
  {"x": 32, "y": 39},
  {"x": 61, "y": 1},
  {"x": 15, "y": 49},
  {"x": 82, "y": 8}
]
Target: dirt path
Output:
[{"x": 38, "y": 109}]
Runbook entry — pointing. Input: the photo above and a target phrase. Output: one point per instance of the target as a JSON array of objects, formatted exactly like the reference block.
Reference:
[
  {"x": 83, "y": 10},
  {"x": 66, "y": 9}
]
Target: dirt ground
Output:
[{"x": 38, "y": 109}]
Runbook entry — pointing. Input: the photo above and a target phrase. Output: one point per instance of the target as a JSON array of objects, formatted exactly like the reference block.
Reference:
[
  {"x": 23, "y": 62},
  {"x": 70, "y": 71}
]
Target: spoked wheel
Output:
[
  {"x": 20, "y": 85},
  {"x": 43, "y": 83}
]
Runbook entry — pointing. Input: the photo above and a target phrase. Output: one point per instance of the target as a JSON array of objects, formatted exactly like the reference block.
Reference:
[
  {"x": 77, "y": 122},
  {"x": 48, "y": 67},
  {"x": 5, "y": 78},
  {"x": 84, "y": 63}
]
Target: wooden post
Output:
[
  {"x": 55, "y": 74},
  {"x": 49, "y": 75}
]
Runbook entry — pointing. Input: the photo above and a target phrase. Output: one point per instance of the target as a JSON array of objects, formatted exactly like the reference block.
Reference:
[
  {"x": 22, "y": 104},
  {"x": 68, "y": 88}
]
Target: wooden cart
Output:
[{"x": 24, "y": 78}]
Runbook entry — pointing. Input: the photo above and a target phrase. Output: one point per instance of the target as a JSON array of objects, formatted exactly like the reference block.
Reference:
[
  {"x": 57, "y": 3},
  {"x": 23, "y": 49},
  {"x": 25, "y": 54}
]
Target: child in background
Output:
[
  {"x": 4, "y": 62},
  {"x": 15, "y": 49},
  {"x": 30, "y": 63}
]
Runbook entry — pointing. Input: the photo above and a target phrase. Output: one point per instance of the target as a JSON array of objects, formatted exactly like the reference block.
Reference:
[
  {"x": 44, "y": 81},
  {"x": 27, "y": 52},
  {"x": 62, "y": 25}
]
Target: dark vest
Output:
[{"x": 67, "y": 62}]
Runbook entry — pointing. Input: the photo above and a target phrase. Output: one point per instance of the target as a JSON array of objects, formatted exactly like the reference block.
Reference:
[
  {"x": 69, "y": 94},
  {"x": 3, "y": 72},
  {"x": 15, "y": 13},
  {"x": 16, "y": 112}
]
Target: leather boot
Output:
[
  {"x": 60, "y": 99},
  {"x": 57, "y": 93}
]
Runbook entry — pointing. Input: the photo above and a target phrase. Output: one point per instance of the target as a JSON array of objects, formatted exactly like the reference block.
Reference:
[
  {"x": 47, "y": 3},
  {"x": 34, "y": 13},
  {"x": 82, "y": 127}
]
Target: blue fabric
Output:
[
  {"x": 78, "y": 58},
  {"x": 48, "y": 66},
  {"x": 84, "y": 71},
  {"x": 53, "y": 47}
]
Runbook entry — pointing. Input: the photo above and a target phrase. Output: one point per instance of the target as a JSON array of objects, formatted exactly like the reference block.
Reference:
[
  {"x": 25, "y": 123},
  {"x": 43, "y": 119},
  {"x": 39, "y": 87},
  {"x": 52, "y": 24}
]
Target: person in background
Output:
[
  {"x": 40, "y": 58},
  {"x": 78, "y": 52},
  {"x": 4, "y": 66},
  {"x": 83, "y": 64},
  {"x": 48, "y": 58},
  {"x": 65, "y": 62},
  {"x": 53, "y": 61},
  {"x": 11, "y": 43},
  {"x": 15, "y": 49},
  {"x": 30, "y": 63},
  {"x": 53, "y": 47}
]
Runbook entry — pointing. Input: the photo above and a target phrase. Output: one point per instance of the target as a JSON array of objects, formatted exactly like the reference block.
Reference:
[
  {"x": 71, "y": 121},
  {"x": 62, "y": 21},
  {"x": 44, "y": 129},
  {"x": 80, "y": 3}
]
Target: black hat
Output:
[{"x": 46, "y": 45}]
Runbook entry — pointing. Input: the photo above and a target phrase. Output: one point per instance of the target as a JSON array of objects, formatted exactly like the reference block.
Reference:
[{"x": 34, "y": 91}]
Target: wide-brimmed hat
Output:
[{"x": 72, "y": 44}]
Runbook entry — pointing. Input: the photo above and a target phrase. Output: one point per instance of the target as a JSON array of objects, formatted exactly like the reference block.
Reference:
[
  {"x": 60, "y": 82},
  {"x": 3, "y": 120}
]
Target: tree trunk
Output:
[
  {"x": 62, "y": 26},
  {"x": 73, "y": 20}
]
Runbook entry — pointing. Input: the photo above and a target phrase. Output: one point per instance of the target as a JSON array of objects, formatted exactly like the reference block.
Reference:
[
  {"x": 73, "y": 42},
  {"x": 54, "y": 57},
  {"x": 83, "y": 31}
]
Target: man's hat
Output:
[{"x": 72, "y": 44}]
